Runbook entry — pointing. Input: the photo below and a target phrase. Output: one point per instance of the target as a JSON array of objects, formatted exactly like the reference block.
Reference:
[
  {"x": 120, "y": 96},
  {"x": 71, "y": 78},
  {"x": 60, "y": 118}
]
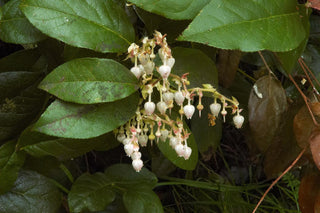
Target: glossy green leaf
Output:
[
  {"x": 69, "y": 120},
  {"x": 39, "y": 145},
  {"x": 180, "y": 162},
  {"x": 200, "y": 67},
  {"x": 91, "y": 193},
  {"x": 248, "y": 25},
  {"x": 32, "y": 193},
  {"x": 288, "y": 60},
  {"x": 125, "y": 176},
  {"x": 20, "y": 100},
  {"x": 15, "y": 27},
  {"x": 20, "y": 60},
  {"x": 100, "y": 25},
  {"x": 206, "y": 136},
  {"x": 172, "y": 9},
  {"x": 90, "y": 80},
  {"x": 142, "y": 200},
  {"x": 10, "y": 164}
]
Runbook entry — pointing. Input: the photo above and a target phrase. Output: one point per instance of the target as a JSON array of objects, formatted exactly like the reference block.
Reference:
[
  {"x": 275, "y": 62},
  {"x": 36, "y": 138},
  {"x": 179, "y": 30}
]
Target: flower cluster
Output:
[{"x": 153, "y": 120}]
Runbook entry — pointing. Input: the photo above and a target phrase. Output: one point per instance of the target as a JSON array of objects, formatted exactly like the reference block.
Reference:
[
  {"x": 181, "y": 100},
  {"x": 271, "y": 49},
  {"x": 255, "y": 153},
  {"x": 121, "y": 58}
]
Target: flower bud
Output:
[
  {"x": 137, "y": 164},
  {"x": 178, "y": 97},
  {"x": 121, "y": 137},
  {"x": 170, "y": 62},
  {"x": 238, "y": 121},
  {"x": 215, "y": 109},
  {"x": 149, "y": 107},
  {"x": 188, "y": 110}
]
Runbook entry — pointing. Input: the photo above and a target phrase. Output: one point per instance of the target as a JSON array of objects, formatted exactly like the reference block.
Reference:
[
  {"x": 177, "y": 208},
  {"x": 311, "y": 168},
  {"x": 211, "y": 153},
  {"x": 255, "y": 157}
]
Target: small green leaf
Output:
[
  {"x": 39, "y": 145},
  {"x": 248, "y": 25},
  {"x": 141, "y": 200},
  {"x": 173, "y": 9},
  {"x": 125, "y": 176},
  {"x": 91, "y": 193},
  {"x": 90, "y": 80},
  {"x": 69, "y": 120},
  {"x": 200, "y": 67},
  {"x": 15, "y": 27},
  {"x": 32, "y": 193},
  {"x": 10, "y": 164},
  {"x": 180, "y": 162},
  {"x": 100, "y": 25}
]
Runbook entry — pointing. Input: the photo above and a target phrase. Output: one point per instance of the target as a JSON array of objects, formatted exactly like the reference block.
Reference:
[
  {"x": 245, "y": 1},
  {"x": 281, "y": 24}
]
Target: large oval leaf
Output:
[
  {"x": 200, "y": 67},
  {"x": 39, "y": 145},
  {"x": 173, "y": 9},
  {"x": 10, "y": 164},
  {"x": 15, "y": 27},
  {"x": 248, "y": 25},
  {"x": 32, "y": 193},
  {"x": 91, "y": 192},
  {"x": 100, "y": 25},
  {"x": 142, "y": 201},
  {"x": 90, "y": 80},
  {"x": 85, "y": 121}
]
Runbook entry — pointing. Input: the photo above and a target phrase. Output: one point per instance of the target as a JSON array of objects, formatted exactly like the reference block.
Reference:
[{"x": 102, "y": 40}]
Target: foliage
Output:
[{"x": 92, "y": 75}]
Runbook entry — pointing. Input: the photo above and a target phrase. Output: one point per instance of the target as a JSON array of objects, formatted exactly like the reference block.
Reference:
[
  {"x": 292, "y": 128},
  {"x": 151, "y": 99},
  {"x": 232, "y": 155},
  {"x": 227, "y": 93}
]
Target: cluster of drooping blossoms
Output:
[{"x": 153, "y": 120}]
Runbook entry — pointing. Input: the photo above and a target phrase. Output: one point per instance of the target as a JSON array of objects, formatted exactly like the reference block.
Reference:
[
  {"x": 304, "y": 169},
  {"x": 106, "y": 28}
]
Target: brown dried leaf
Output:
[
  {"x": 266, "y": 106},
  {"x": 315, "y": 146},
  {"x": 314, "y": 4},
  {"x": 309, "y": 193},
  {"x": 228, "y": 63}
]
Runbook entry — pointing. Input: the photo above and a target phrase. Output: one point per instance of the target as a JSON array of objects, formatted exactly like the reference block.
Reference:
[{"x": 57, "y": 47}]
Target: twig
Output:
[{"x": 277, "y": 180}]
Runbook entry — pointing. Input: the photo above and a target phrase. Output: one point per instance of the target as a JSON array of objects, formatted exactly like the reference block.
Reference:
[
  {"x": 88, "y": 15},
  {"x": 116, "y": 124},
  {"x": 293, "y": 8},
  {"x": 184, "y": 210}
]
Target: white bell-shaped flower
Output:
[
  {"x": 238, "y": 121},
  {"x": 136, "y": 71},
  {"x": 187, "y": 152},
  {"x": 188, "y": 110},
  {"x": 164, "y": 134},
  {"x": 121, "y": 137},
  {"x": 170, "y": 62},
  {"x": 162, "y": 107},
  {"x": 149, "y": 67},
  {"x": 136, "y": 155},
  {"x": 167, "y": 97},
  {"x": 137, "y": 164},
  {"x": 173, "y": 142},
  {"x": 128, "y": 148},
  {"x": 143, "y": 139},
  {"x": 149, "y": 107},
  {"x": 179, "y": 150},
  {"x": 215, "y": 109},
  {"x": 179, "y": 98},
  {"x": 164, "y": 71}
]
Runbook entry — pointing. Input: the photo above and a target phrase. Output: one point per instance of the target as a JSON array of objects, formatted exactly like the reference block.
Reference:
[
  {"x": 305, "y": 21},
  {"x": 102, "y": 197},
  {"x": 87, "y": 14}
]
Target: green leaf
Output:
[
  {"x": 142, "y": 200},
  {"x": 200, "y": 67},
  {"x": 20, "y": 60},
  {"x": 10, "y": 164},
  {"x": 69, "y": 120},
  {"x": 91, "y": 193},
  {"x": 32, "y": 193},
  {"x": 100, "y": 25},
  {"x": 205, "y": 135},
  {"x": 125, "y": 176},
  {"x": 15, "y": 27},
  {"x": 172, "y": 9},
  {"x": 288, "y": 60},
  {"x": 90, "y": 80},
  {"x": 39, "y": 145},
  {"x": 248, "y": 25},
  {"x": 180, "y": 162}
]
